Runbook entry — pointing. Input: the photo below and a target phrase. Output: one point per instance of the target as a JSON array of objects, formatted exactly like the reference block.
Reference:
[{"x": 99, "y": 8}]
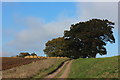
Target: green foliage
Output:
[
  {"x": 55, "y": 47},
  {"x": 84, "y": 39},
  {"x": 33, "y": 54},
  {"x": 23, "y": 54},
  {"x": 95, "y": 68}
]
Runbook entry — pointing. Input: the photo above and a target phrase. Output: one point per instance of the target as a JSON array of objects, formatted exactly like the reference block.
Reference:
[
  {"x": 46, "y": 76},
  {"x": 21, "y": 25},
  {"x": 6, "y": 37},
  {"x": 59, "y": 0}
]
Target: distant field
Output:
[
  {"x": 9, "y": 62},
  {"x": 95, "y": 68}
]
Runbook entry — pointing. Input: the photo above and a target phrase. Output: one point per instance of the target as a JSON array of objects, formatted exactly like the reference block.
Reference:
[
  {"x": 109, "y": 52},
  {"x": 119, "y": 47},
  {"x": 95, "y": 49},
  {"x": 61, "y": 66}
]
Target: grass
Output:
[
  {"x": 44, "y": 72},
  {"x": 61, "y": 72},
  {"x": 95, "y": 68}
]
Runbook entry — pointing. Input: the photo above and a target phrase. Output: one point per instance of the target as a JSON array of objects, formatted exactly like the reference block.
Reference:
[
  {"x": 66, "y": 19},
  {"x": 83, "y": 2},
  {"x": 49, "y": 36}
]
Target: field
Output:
[
  {"x": 95, "y": 68},
  {"x": 61, "y": 68},
  {"x": 35, "y": 69},
  {"x": 8, "y": 62}
]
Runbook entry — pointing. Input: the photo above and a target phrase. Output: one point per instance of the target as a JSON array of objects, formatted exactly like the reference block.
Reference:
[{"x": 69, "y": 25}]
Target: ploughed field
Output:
[
  {"x": 36, "y": 67},
  {"x": 9, "y": 62}
]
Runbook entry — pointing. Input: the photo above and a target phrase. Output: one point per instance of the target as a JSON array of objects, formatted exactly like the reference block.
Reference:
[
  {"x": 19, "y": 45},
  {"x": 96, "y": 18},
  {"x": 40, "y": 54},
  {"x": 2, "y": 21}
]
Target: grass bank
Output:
[
  {"x": 44, "y": 72},
  {"x": 95, "y": 68}
]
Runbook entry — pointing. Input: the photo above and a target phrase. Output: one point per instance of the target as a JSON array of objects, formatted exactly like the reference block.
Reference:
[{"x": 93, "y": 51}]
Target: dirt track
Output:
[
  {"x": 65, "y": 73},
  {"x": 67, "y": 70}
]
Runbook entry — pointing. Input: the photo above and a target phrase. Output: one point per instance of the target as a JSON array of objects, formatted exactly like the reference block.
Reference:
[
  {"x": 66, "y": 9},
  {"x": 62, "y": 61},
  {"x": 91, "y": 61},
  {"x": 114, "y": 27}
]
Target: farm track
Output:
[{"x": 65, "y": 73}]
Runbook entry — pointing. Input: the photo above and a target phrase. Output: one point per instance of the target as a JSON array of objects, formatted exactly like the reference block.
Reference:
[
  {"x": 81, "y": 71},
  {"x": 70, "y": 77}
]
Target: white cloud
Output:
[
  {"x": 102, "y": 10},
  {"x": 37, "y": 33}
]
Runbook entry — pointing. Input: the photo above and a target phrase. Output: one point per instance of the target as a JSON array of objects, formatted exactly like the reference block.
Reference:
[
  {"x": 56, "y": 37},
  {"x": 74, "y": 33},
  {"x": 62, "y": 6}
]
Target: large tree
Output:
[
  {"x": 55, "y": 47},
  {"x": 89, "y": 38},
  {"x": 84, "y": 39}
]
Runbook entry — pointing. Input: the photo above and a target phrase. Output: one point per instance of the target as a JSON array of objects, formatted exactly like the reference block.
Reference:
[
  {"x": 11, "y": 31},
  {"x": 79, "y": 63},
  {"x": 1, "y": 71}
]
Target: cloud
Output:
[
  {"x": 102, "y": 10},
  {"x": 38, "y": 32}
]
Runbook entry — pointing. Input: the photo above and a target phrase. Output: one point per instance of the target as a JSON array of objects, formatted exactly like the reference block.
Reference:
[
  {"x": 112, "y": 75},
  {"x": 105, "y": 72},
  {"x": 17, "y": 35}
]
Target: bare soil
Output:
[
  {"x": 10, "y": 62},
  {"x": 26, "y": 71},
  {"x": 67, "y": 70}
]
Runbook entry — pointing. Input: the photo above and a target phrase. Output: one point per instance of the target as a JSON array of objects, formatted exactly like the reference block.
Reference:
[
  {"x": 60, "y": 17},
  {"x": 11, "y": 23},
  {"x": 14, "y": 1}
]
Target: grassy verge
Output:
[
  {"x": 95, "y": 68},
  {"x": 45, "y": 72}
]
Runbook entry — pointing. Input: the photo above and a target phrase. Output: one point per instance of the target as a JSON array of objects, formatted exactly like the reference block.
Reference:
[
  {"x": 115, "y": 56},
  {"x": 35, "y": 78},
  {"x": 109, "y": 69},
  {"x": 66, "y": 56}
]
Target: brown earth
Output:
[
  {"x": 10, "y": 62},
  {"x": 67, "y": 71},
  {"x": 26, "y": 71}
]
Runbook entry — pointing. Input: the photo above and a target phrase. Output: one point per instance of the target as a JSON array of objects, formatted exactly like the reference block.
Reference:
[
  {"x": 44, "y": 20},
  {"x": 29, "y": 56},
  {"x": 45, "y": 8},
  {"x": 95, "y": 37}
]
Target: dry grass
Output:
[
  {"x": 42, "y": 57},
  {"x": 29, "y": 70},
  {"x": 0, "y": 75},
  {"x": 47, "y": 71}
]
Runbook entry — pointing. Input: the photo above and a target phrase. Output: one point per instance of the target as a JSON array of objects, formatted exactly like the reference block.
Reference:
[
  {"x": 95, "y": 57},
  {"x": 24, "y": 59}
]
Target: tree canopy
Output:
[
  {"x": 84, "y": 39},
  {"x": 33, "y": 54},
  {"x": 23, "y": 54},
  {"x": 55, "y": 47}
]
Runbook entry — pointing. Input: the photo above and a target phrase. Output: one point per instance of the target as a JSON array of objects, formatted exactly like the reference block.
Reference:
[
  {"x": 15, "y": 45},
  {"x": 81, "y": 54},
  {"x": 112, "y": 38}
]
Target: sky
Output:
[{"x": 27, "y": 26}]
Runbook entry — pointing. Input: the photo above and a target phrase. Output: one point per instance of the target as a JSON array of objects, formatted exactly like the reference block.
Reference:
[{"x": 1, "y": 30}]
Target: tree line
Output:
[
  {"x": 83, "y": 40},
  {"x": 23, "y": 54}
]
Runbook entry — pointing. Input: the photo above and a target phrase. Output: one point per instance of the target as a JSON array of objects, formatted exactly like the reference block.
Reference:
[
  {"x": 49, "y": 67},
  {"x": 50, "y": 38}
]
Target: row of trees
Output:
[
  {"x": 23, "y": 54},
  {"x": 84, "y": 39}
]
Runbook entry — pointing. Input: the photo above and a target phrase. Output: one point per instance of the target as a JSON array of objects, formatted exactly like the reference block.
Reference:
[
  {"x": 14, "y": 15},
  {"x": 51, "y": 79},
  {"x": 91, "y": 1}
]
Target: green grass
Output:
[
  {"x": 61, "y": 72},
  {"x": 95, "y": 68},
  {"x": 45, "y": 72}
]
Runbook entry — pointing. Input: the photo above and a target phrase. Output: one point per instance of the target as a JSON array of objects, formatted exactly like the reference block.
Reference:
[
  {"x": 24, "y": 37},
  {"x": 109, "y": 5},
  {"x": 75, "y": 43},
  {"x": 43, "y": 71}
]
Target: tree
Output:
[
  {"x": 87, "y": 39},
  {"x": 23, "y": 54},
  {"x": 84, "y": 39},
  {"x": 33, "y": 54},
  {"x": 55, "y": 47}
]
